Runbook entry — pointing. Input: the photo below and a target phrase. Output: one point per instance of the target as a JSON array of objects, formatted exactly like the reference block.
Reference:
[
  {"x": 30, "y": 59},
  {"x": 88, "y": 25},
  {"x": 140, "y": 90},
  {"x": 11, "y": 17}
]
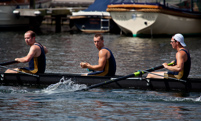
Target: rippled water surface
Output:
[{"x": 66, "y": 51}]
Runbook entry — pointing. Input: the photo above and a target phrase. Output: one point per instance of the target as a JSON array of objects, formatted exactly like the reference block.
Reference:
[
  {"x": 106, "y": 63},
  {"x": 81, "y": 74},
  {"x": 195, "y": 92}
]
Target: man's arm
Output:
[
  {"x": 32, "y": 53},
  {"x": 101, "y": 62},
  {"x": 45, "y": 49},
  {"x": 180, "y": 56}
]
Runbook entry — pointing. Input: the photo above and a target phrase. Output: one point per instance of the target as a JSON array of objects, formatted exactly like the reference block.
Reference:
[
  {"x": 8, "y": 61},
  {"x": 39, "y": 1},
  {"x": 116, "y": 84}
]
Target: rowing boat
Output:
[{"x": 192, "y": 84}]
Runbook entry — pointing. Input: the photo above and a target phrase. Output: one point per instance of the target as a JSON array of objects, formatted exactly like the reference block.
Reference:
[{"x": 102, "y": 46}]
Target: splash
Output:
[
  {"x": 64, "y": 85},
  {"x": 190, "y": 99},
  {"x": 184, "y": 99},
  {"x": 12, "y": 89}
]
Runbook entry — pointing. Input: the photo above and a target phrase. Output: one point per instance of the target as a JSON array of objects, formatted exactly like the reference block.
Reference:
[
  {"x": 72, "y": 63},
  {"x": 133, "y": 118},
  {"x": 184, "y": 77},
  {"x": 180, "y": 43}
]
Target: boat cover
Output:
[
  {"x": 98, "y": 5},
  {"x": 122, "y": 1}
]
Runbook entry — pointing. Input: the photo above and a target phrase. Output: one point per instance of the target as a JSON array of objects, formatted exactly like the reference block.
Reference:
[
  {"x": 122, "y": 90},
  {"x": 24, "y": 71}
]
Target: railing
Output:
[{"x": 185, "y": 5}]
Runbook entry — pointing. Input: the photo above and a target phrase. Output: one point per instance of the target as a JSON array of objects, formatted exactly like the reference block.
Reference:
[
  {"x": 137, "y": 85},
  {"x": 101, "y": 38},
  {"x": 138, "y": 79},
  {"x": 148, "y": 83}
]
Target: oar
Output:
[
  {"x": 3, "y": 65},
  {"x": 8, "y": 63},
  {"x": 138, "y": 73}
]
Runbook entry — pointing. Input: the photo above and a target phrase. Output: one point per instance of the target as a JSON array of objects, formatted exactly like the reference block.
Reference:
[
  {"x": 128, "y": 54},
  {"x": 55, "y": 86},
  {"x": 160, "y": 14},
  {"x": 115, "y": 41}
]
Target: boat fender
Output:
[
  {"x": 148, "y": 82},
  {"x": 2, "y": 77}
]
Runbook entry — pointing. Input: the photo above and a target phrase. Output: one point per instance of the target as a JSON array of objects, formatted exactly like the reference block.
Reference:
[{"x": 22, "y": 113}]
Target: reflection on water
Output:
[{"x": 99, "y": 104}]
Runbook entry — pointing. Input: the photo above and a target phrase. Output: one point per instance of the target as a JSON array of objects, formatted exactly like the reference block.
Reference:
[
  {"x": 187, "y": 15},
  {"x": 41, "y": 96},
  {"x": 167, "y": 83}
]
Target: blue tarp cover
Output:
[
  {"x": 98, "y": 5},
  {"x": 121, "y": 1}
]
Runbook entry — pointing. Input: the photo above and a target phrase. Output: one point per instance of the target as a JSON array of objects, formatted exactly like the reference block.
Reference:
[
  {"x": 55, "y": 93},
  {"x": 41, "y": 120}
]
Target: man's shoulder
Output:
[
  {"x": 104, "y": 50},
  {"x": 181, "y": 54},
  {"x": 183, "y": 51},
  {"x": 35, "y": 48}
]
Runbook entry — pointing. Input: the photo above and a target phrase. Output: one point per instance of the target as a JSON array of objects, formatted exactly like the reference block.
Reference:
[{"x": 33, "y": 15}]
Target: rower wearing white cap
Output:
[{"x": 182, "y": 63}]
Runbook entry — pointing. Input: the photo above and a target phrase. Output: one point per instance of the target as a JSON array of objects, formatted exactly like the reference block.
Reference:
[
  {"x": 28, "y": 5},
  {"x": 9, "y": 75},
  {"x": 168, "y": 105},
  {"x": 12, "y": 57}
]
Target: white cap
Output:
[{"x": 180, "y": 38}]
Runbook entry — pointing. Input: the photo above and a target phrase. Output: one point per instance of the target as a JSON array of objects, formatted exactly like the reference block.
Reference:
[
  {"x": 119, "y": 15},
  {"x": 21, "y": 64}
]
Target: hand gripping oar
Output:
[
  {"x": 138, "y": 73},
  {"x": 8, "y": 63}
]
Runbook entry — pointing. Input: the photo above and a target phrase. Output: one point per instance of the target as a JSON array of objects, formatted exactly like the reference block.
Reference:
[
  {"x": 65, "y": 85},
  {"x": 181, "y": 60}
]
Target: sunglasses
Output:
[{"x": 173, "y": 41}]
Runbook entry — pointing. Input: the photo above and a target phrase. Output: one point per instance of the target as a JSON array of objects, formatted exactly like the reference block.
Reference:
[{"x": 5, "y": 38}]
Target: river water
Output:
[{"x": 67, "y": 50}]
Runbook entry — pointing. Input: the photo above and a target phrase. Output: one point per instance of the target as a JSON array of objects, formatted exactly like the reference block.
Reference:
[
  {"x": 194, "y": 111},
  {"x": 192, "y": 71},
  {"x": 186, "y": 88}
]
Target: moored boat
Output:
[
  {"x": 9, "y": 20},
  {"x": 191, "y": 84},
  {"x": 157, "y": 17},
  {"x": 94, "y": 18}
]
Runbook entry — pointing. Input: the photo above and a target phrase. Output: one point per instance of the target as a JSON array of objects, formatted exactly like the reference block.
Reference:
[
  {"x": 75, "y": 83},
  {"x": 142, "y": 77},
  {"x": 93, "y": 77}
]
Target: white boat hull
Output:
[{"x": 149, "y": 23}]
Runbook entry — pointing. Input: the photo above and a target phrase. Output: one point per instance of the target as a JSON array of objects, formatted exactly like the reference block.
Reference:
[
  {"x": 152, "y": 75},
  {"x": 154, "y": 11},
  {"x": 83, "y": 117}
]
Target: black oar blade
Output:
[{"x": 8, "y": 63}]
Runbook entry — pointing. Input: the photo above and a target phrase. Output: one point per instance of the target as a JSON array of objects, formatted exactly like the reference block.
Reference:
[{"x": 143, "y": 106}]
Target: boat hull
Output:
[
  {"x": 94, "y": 22},
  {"x": 157, "y": 18},
  {"x": 146, "y": 23},
  {"x": 130, "y": 83}
]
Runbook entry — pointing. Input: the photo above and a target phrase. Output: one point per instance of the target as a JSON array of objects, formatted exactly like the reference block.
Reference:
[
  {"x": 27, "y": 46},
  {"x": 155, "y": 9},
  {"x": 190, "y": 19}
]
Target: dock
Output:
[
  {"x": 58, "y": 11},
  {"x": 71, "y": 3}
]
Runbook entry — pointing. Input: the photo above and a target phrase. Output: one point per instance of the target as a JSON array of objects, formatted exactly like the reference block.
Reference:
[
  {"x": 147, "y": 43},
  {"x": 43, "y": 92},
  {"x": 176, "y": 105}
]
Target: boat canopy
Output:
[
  {"x": 184, "y": 5},
  {"x": 98, "y": 5}
]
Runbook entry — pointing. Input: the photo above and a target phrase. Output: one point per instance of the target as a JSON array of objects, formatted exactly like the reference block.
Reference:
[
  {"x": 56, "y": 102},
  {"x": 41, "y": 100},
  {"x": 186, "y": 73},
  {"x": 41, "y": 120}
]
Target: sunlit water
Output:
[{"x": 61, "y": 102}]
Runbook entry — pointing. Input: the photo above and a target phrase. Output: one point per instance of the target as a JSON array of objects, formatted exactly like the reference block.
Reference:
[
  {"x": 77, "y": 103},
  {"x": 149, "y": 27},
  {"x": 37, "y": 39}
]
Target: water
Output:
[{"x": 61, "y": 102}]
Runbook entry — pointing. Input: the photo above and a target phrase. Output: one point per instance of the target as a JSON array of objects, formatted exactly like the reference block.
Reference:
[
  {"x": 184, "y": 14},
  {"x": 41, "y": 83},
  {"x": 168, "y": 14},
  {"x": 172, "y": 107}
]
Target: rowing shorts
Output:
[
  {"x": 25, "y": 70},
  {"x": 97, "y": 73},
  {"x": 172, "y": 74}
]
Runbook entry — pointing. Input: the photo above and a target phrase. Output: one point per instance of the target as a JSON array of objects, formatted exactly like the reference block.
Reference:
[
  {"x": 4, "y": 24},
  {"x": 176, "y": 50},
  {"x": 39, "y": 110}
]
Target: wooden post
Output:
[
  {"x": 32, "y": 4},
  {"x": 164, "y": 3},
  {"x": 58, "y": 23},
  {"x": 192, "y": 5}
]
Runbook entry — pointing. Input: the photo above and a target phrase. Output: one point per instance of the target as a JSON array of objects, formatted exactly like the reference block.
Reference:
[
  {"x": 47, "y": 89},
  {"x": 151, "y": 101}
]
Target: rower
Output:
[
  {"x": 36, "y": 56},
  {"x": 182, "y": 63},
  {"x": 106, "y": 62}
]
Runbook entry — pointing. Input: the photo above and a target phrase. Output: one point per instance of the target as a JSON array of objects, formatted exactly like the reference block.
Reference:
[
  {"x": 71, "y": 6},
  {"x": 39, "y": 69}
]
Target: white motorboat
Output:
[
  {"x": 157, "y": 17},
  {"x": 95, "y": 18}
]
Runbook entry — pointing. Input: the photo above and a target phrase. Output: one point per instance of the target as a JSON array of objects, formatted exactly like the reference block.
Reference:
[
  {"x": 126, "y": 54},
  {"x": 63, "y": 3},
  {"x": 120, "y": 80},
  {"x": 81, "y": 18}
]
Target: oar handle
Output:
[
  {"x": 8, "y": 63},
  {"x": 158, "y": 67},
  {"x": 151, "y": 69}
]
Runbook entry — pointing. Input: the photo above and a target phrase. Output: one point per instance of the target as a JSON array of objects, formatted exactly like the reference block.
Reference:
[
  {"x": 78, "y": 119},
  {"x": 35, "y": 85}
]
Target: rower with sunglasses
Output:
[{"x": 182, "y": 63}]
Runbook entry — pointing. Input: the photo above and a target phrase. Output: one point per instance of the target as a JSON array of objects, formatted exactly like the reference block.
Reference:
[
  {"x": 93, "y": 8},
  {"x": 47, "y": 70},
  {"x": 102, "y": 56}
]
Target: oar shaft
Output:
[
  {"x": 158, "y": 67},
  {"x": 8, "y": 63},
  {"x": 12, "y": 62},
  {"x": 124, "y": 77},
  {"x": 138, "y": 73},
  {"x": 108, "y": 82},
  {"x": 151, "y": 69}
]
